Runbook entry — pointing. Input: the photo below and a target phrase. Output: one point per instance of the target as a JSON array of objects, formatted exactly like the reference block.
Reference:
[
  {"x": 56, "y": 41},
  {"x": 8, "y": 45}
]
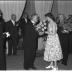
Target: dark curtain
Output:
[
  {"x": 29, "y": 8},
  {"x": 54, "y": 9}
]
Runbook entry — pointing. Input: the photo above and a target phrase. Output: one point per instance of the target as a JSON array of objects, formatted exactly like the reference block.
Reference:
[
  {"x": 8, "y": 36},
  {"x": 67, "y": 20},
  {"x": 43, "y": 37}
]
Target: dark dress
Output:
[{"x": 30, "y": 45}]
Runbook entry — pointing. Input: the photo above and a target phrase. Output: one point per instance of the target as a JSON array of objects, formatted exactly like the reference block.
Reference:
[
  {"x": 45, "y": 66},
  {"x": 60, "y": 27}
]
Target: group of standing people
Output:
[
  {"x": 56, "y": 45},
  {"x": 8, "y": 32},
  {"x": 65, "y": 37},
  {"x": 53, "y": 51}
]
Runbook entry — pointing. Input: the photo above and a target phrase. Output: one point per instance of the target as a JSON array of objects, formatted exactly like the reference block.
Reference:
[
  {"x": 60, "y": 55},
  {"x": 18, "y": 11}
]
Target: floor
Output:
[{"x": 16, "y": 62}]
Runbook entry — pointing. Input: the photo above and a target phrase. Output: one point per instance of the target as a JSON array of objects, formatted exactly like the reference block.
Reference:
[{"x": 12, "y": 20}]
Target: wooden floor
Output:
[{"x": 16, "y": 62}]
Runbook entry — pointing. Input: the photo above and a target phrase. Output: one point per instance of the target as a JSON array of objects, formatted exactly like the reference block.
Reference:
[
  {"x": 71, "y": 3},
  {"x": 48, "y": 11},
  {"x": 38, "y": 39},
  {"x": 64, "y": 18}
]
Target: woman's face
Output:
[
  {"x": 61, "y": 18},
  {"x": 35, "y": 19},
  {"x": 48, "y": 19}
]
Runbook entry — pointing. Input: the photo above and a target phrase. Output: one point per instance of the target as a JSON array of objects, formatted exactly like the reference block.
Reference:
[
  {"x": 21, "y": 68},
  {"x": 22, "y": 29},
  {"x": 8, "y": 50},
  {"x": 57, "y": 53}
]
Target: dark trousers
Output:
[
  {"x": 29, "y": 55},
  {"x": 4, "y": 51},
  {"x": 65, "y": 47},
  {"x": 2, "y": 55},
  {"x": 29, "y": 58},
  {"x": 12, "y": 45},
  {"x": 70, "y": 42}
]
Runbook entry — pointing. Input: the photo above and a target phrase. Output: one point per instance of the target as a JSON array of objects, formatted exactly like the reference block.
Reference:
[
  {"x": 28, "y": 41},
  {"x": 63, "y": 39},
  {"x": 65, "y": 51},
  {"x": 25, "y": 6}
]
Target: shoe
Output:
[
  {"x": 55, "y": 68},
  {"x": 33, "y": 67},
  {"x": 49, "y": 67},
  {"x": 26, "y": 68}
]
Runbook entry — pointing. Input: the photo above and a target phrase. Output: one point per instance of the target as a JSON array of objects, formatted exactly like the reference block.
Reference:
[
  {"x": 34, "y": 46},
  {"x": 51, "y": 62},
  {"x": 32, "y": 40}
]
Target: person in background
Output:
[
  {"x": 3, "y": 36},
  {"x": 64, "y": 38},
  {"x": 22, "y": 22},
  {"x": 53, "y": 52},
  {"x": 12, "y": 29},
  {"x": 69, "y": 20}
]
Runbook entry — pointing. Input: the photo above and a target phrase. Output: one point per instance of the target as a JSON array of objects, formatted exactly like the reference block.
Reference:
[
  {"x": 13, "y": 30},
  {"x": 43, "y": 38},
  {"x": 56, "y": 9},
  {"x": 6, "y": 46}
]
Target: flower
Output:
[{"x": 42, "y": 26}]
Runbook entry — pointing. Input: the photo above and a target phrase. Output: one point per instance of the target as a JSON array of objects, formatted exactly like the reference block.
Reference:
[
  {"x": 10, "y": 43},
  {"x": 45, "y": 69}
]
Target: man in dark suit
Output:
[
  {"x": 12, "y": 29},
  {"x": 30, "y": 42},
  {"x": 22, "y": 22},
  {"x": 70, "y": 42},
  {"x": 2, "y": 43}
]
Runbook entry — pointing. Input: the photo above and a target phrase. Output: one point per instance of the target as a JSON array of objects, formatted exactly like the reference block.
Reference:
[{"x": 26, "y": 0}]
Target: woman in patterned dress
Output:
[{"x": 53, "y": 51}]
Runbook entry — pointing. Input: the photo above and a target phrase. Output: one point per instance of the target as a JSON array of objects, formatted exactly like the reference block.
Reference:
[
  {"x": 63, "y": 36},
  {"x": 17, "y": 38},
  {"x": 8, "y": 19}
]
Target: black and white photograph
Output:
[{"x": 35, "y": 35}]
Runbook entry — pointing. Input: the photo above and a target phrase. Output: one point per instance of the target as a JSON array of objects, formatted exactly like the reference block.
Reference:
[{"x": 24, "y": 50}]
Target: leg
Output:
[
  {"x": 50, "y": 66},
  {"x": 2, "y": 56},
  {"x": 29, "y": 58},
  {"x": 9, "y": 46},
  {"x": 65, "y": 56},
  {"x": 26, "y": 59},
  {"x": 55, "y": 62},
  {"x": 4, "y": 52},
  {"x": 55, "y": 66},
  {"x": 14, "y": 46},
  {"x": 65, "y": 49}
]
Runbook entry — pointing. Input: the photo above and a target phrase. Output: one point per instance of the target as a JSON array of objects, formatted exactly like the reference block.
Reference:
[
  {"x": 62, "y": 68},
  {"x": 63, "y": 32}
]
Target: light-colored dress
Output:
[{"x": 53, "y": 51}]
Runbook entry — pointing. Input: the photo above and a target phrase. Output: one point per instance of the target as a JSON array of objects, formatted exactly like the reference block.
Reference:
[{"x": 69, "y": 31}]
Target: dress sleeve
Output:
[{"x": 53, "y": 28}]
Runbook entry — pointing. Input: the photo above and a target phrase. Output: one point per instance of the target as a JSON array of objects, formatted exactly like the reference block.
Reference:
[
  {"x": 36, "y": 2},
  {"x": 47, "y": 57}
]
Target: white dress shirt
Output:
[
  {"x": 13, "y": 22},
  {"x": 33, "y": 22}
]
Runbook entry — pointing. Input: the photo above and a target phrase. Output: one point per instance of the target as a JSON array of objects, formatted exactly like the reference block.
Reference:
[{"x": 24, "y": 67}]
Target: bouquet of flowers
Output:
[{"x": 42, "y": 26}]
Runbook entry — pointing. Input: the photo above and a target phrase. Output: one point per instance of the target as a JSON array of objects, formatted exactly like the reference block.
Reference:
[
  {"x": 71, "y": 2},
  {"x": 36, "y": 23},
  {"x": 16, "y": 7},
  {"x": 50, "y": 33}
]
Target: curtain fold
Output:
[
  {"x": 43, "y": 7},
  {"x": 29, "y": 7},
  {"x": 54, "y": 9}
]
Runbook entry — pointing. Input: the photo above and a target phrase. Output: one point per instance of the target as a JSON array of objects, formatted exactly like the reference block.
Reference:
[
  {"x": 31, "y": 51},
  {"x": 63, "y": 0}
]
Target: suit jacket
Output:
[
  {"x": 22, "y": 24},
  {"x": 2, "y": 49},
  {"x": 2, "y": 27},
  {"x": 11, "y": 28},
  {"x": 30, "y": 37}
]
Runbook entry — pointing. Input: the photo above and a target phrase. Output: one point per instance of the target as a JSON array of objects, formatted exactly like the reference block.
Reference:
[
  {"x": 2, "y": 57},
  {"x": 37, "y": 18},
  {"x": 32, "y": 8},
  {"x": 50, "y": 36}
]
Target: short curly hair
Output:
[{"x": 50, "y": 15}]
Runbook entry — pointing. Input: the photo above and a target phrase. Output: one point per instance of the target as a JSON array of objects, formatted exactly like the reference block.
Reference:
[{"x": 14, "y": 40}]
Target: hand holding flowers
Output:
[{"x": 41, "y": 27}]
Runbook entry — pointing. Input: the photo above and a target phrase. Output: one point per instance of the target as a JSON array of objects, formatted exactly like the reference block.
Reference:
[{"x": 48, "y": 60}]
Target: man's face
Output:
[
  {"x": 13, "y": 17},
  {"x": 35, "y": 19}
]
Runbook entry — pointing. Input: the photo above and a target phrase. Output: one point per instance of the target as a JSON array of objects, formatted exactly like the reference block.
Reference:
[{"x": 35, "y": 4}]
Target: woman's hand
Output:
[
  {"x": 41, "y": 33},
  {"x": 46, "y": 32}
]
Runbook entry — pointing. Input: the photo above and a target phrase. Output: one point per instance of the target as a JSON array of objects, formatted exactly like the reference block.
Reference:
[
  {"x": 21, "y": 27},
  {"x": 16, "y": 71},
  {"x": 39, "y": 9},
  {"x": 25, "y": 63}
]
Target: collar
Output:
[
  {"x": 25, "y": 20},
  {"x": 13, "y": 21}
]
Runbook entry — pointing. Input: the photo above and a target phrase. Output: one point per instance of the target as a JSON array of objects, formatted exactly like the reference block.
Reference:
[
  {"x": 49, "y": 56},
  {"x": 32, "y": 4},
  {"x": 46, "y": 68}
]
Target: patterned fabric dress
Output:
[{"x": 53, "y": 50}]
